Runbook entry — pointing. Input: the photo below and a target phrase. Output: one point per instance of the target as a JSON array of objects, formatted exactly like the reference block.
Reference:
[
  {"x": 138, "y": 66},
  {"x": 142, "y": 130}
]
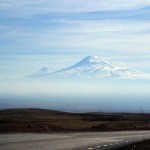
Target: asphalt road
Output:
[{"x": 70, "y": 141}]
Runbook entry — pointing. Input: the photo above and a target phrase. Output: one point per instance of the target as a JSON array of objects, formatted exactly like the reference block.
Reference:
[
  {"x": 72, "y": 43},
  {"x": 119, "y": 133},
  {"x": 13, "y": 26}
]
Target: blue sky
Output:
[{"x": 59, "y": 33}]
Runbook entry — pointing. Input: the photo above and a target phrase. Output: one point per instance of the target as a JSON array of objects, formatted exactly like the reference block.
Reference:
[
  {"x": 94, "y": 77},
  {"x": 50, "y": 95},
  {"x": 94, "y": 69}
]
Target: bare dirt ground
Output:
[{"x": 39, "y": 120}]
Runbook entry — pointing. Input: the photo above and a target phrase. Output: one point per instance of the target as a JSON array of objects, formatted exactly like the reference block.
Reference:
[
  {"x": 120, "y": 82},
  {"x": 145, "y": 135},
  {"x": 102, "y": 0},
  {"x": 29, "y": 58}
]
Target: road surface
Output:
[{"x": 70, "y": 141}]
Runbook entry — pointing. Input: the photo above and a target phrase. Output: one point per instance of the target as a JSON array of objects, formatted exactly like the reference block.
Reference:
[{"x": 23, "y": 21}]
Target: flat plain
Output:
[{"x": 40, "y": 120}]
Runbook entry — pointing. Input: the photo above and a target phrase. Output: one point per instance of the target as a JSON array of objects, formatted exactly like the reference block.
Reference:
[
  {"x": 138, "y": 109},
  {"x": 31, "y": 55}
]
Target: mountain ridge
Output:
[{"x": 93, "y": 67}]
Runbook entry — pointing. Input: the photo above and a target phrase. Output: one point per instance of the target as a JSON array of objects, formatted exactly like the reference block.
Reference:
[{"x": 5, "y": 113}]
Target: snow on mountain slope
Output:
[
  {"x": 91, "y": 67},
  {"x": 94, "y": 66}
]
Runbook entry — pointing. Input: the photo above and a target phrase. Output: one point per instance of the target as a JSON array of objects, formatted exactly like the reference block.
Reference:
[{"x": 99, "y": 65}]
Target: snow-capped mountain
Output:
[
  {"x": 42, "y": 72},
  {"x": 94, "y": 66}
]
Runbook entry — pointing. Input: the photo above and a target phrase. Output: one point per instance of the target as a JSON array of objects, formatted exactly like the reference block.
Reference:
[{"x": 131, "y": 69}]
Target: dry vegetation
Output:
[{"x": 38, "y": 120}]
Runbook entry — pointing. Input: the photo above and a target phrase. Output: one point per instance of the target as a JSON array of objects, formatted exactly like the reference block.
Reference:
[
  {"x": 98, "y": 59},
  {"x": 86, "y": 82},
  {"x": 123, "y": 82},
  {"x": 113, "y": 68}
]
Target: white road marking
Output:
[
  {"x": 98, "y": 146},
  {"x": 90, "y": 148},
  {"x": 105, "y": 145},
  {"x": 111, "y": 144}
]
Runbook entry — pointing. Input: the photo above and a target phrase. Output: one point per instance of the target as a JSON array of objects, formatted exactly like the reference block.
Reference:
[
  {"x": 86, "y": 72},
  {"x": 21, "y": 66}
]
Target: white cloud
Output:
[
  {"x": 117, "y": 36},
  {"x": 104, "y": 35},
  {"x": 33, "y": 7}
]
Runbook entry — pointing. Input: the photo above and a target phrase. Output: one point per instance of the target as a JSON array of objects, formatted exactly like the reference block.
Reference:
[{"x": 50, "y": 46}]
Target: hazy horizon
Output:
[{"x": 77, "y": 95}]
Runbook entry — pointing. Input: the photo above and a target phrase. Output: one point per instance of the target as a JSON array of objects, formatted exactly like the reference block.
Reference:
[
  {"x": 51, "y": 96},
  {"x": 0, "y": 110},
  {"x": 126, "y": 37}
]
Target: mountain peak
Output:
[
  {"x": 41, "y": 72},
  {"x": 44, "y": 69},
  {"x": 92, "y": 58},
  {"x": 93, "y": 61},
  {"x": 89, "y": 60}
]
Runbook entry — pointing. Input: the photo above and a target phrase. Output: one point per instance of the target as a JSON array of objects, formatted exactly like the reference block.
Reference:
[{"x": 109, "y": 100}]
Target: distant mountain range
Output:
[{"x": 91, "y": 67}]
